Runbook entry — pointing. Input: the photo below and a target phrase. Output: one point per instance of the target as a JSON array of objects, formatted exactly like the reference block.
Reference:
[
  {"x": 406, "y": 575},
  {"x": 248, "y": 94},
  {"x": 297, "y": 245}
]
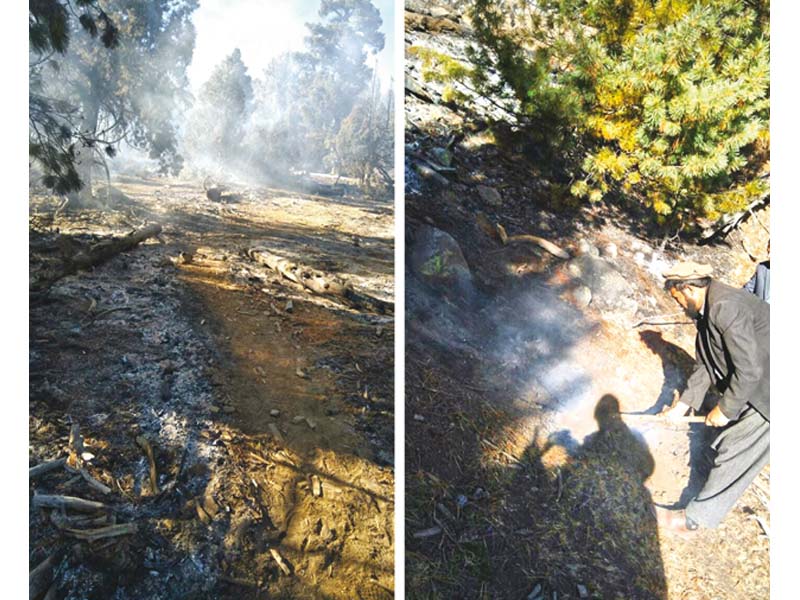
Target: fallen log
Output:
[
  {"x": 103, "y": 251},
  {"x": 323, "y": 284},
  {"x": 66, "y": 502},
  {"x": 52, "y": 593},
  {"x": 88, "y": 257}
]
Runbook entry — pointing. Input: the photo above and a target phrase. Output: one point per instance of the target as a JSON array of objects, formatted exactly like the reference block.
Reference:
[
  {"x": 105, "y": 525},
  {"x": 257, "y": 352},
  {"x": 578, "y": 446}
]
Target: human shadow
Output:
[
  {"x": 588, "y": 523},
  {"x": 675, "y": 362}
]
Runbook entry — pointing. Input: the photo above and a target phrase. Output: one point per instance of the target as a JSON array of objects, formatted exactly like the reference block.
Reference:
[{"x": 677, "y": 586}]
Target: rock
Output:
[
  {"x": 419, "y": 418},
  {"x": 228, "y": 409},
  {"x": 490, "y": 195},
  {"x": 273, "y": 429},
  {"x": 574, "y": 269},
  {"x": 610, "y": 291},
  {"x": 584, "y": 247},
  {"x": 437, "y": 259},
  {"x": 610, "y": 250},
  {"x": 298, "y": 419},
  {"x": 214, "y": 409},
  {"x": 311, "y": 423},
  {"x": 582, "y": 296},
  {"x": 439, "y": 11},
  {"x": 275, "y": 412}
]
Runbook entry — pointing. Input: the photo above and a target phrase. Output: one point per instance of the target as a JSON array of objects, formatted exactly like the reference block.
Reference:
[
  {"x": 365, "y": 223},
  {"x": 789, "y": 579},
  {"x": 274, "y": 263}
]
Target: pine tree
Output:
[
  {"x": 669, "y": 98},
  {"x": 129, "y": 91},
  {"x": 216, "y": 124}
]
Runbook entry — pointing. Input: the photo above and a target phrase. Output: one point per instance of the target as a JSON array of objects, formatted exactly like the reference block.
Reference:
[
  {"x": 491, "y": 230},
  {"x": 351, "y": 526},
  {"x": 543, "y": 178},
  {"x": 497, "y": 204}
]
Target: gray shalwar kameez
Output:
[{"x": 732, "y": 350}]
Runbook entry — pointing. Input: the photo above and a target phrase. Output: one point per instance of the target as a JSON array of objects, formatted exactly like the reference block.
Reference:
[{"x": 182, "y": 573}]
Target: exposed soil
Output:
[
  {"x": 522, "y": 479},
  {"x": 269, "y": 409}
]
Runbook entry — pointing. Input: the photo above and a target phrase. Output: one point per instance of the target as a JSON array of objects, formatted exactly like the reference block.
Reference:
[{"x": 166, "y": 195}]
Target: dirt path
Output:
[{"x": 269, "y": 409}]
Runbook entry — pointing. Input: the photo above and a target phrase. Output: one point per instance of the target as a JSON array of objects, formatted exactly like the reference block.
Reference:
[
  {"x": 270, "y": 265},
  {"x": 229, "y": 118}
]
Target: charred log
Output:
[
  {"x": 77, "y": 257},
  {"x": 319, "y": 282}
]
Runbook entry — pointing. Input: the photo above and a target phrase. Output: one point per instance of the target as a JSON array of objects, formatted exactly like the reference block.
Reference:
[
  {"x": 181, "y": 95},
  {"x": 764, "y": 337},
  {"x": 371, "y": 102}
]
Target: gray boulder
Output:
[
  {"x": 610, "y": 291},
  {"x": 436, "y": 258}
]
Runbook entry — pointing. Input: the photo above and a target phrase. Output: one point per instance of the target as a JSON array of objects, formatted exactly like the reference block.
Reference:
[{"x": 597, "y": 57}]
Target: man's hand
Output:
[
  {"x": 716, "y": 419},
  {"x": 676, "y": 410}
]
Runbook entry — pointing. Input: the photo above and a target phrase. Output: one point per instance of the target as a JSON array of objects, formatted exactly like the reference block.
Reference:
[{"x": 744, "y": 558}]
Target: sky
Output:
[{"x": 263, "y": 30}]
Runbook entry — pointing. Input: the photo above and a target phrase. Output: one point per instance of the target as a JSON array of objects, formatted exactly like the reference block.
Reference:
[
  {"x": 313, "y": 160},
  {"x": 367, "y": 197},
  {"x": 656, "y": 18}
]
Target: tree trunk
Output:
[{"x": 83, "y": 198}]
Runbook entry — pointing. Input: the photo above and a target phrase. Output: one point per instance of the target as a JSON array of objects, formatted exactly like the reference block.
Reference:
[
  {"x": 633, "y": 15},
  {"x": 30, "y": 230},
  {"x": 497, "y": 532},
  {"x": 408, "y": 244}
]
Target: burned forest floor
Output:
[
  {"x": 235, "y": 427},
  {"x": 532, "y": 323}
]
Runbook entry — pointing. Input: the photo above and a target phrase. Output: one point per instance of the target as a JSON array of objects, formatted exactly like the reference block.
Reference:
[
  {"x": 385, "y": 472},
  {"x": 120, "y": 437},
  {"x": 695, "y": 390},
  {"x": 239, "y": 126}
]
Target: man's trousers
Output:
[{"x": 742, "y": 451}]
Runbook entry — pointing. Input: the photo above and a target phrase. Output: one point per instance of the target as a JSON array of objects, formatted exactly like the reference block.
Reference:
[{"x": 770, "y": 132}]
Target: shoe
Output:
[{"x": 675, "y": 521}]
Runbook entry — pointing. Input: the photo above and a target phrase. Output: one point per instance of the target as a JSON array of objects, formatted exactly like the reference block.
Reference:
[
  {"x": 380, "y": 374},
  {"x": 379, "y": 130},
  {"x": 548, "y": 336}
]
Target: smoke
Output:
[
  {"x": 132, "y": 111},
  {"x": 269, "y": 127},
  {"x": 542, "y": 358}
]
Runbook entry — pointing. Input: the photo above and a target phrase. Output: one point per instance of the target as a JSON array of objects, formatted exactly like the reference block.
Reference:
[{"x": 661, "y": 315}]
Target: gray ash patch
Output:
[{"x": 114, "y": 351}]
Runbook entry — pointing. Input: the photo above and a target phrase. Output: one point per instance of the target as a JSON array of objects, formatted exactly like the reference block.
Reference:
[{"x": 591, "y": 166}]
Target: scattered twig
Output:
[
  {"x": 106, "y": 312},
  {"x": 94, "y": 483},
  {"x": 66, "y": 502},
  {"x": 46, "y": 467},
  {"x": 426, "y": 533},
  {"x": 280, "y": 560},
  {"x": 762, "y": 523},
  {"x": 39, "y": 579},
  {"x": 144, "y": 444},
  {"x": 92, "y": 535}
]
